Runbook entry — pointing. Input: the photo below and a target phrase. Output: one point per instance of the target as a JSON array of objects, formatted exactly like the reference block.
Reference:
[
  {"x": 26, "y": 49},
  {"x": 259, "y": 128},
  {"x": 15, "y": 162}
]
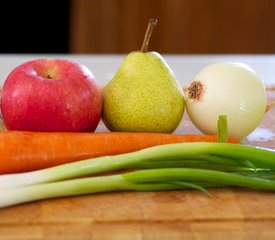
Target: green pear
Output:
[{"x": 144, "y": 95}]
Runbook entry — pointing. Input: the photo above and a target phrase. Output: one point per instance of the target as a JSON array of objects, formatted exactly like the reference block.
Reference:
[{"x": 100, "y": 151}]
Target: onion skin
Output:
[{"x": 226, "y": 88}]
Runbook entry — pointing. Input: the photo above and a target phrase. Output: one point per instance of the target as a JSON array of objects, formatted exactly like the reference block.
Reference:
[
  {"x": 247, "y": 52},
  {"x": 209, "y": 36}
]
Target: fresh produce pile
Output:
[{"x": 52, "y": 107}]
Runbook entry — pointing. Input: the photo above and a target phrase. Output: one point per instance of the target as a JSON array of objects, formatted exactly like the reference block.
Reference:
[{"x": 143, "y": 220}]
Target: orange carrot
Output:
[{"x": 25, "y": 151}]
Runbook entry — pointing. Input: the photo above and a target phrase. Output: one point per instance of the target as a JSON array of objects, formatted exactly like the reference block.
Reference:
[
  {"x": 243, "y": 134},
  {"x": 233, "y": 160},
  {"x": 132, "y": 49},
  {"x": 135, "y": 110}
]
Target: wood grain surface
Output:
[{"x": 232, "y": 213}]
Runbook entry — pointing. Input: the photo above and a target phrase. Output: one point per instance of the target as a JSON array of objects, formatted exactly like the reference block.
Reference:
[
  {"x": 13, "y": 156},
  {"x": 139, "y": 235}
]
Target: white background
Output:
[{"x": 184, "y": 66}]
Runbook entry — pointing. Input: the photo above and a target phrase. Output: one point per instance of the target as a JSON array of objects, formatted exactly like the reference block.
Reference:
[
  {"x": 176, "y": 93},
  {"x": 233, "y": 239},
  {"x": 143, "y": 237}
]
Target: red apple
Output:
[{"x": 51, "y": 95}]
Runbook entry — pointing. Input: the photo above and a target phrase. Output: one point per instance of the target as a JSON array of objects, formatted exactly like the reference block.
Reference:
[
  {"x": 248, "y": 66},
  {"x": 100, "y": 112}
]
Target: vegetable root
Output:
[{"x": 28, "y": 151}]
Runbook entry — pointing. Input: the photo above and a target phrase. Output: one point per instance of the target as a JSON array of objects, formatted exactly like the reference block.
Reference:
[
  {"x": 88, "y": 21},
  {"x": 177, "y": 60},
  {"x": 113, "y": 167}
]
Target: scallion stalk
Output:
[
  {"x": 170, "y": 155},
  {"x": 141, "y": 180}
]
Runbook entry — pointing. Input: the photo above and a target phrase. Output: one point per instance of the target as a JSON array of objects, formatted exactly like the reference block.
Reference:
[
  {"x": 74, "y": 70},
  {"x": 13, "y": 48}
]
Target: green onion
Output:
[
  {"x": 193, "y": 165},
  {"x": 220, "y": 156},
  {"x": 142, "y": 180}
]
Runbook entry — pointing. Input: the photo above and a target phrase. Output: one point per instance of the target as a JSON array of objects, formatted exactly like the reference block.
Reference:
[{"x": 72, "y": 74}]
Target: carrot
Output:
[{"x": 26, "y": 151}]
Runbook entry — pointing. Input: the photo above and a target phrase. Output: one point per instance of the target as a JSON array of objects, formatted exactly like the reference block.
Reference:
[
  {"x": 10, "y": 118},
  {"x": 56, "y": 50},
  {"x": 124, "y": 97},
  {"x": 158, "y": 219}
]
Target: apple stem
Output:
[{"x": 151, "y": 25}]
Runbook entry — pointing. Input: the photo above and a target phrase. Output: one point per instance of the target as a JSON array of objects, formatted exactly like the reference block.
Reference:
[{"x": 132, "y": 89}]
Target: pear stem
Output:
[{"x": 151, "y": 25}]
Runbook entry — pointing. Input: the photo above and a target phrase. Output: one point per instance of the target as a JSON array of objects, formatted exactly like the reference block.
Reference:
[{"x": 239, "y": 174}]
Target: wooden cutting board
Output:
[{"x": 231, "y": 214}]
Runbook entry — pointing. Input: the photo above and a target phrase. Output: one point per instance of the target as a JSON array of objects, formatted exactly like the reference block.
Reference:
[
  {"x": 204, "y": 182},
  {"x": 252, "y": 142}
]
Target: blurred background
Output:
[{"x": 118, "y": 26}]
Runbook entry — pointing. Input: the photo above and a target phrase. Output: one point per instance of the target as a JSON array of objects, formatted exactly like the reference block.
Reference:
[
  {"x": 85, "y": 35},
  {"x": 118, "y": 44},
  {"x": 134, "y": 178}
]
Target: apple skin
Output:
[{"x": 51, "y": 95}]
